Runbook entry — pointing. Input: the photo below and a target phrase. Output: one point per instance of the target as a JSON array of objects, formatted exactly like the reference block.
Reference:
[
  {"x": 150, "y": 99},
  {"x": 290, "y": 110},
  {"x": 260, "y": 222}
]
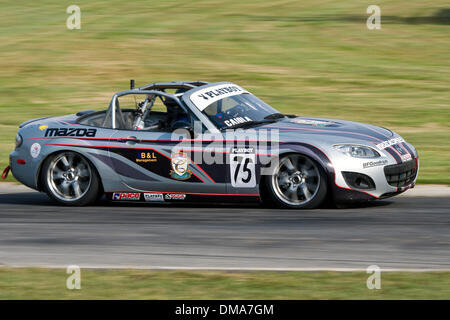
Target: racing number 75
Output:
[{"x": 243, "y": 170}]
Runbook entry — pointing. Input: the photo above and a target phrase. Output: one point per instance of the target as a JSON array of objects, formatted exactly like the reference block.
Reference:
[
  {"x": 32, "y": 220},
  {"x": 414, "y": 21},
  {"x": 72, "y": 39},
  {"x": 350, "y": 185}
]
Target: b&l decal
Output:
[{"x": 146, "y": 157}]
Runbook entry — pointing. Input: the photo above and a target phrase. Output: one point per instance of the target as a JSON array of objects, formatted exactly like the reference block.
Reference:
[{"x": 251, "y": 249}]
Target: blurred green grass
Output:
[
  {"x": 40, "y": 283},
  {"x": 314, "y": 58}
]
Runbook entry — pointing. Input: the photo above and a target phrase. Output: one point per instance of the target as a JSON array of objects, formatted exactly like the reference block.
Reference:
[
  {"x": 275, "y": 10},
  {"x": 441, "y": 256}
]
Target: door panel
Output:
[{"x": 151, "y": 161}]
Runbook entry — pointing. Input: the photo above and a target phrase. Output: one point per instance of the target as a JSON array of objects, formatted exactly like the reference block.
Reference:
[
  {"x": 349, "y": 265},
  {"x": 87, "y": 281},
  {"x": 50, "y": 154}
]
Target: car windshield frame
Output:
[{"x": 247, "y": 108}]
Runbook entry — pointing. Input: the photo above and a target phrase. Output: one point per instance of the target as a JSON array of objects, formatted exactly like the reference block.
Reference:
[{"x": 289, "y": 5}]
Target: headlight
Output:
[
  {"x": 18, "y": 140},
  {"x": 357, "y": 151}
]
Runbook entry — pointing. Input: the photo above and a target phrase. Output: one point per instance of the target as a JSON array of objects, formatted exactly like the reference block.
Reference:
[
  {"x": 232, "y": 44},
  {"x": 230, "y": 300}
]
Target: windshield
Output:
[{"x": 237, "y": 110}]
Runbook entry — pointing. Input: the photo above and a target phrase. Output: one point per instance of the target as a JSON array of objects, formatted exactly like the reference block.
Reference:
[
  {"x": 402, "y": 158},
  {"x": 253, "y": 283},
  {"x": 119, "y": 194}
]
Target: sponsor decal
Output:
[
  {"x": 43, "y": 127},
  {"x": 374, "y": 163},
  {"x": 70, "y": 132},
  {"x": 312, "y": 122},
  {"x": 243, "y": 150},
  {"x": 233, "y": 121},
  {"x": 153, "y": 197},
  {"x": 175, "y": 196},
  {"x": 203, "y": 98},
  {"x": 388, "y": 143},
  {"x": 406, "y": 157},
  {"x": 35, "y": 150},
  {"x": 126, "y": 196},
  {"x": 400, "y": 149},
  {"x": 180, "y": 166},
  {"x": 146, "y": 157},
  {"x": 242, "y": 167}
]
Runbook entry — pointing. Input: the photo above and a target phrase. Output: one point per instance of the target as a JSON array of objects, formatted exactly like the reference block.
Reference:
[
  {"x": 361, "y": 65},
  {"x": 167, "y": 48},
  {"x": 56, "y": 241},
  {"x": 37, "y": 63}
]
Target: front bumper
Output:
[
  {"x": 401, "y": 175},
  {"x": 388, "y": 180}
]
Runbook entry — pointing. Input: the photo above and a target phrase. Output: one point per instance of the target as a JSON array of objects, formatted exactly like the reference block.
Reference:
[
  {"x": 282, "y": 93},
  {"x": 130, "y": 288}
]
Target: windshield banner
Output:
[{"x": 205, "y": 97}]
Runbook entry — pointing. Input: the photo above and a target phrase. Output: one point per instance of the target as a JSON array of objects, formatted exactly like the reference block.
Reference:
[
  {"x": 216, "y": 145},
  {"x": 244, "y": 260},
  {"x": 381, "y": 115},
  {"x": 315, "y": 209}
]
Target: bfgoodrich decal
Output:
[{"x": 374, "y": 163}]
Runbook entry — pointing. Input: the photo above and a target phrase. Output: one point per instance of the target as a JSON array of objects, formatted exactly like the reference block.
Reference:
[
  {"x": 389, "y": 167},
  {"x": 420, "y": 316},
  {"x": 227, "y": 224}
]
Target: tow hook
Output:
[{"x": 5, "y": 172}]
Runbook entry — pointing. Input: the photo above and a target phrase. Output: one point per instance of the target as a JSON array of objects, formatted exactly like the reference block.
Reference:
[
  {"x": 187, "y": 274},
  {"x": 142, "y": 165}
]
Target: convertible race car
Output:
[{"x": 198, "y": 141}]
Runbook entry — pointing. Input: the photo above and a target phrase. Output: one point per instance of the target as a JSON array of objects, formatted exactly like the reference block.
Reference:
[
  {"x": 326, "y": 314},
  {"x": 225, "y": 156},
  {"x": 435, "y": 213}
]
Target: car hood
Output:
[
  {"x": 328, "y": 130},
  {"x": 56, "y": 120}
]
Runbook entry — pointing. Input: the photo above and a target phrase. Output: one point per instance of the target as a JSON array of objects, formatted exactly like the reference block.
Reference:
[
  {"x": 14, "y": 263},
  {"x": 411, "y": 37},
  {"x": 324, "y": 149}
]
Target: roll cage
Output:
[{"x": 158, "y": 89}]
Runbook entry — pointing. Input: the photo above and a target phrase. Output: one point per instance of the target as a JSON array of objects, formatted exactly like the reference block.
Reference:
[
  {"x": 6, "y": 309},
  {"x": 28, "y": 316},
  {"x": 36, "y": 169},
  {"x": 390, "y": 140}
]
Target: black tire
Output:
[
  {"x": 79, "y": 177},
  {"x": 305, "y": 173}
]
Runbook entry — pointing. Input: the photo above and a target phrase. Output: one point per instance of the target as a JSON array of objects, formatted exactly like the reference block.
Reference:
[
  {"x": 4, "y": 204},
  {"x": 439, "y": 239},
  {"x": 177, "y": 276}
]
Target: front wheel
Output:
[
  {"x": 70, "y": 179},
  {"x": 297, "y": 182}
]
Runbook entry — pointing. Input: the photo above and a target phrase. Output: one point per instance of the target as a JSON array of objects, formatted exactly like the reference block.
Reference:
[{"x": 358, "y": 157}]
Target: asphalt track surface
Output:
[{"x": 400, "y": 233}]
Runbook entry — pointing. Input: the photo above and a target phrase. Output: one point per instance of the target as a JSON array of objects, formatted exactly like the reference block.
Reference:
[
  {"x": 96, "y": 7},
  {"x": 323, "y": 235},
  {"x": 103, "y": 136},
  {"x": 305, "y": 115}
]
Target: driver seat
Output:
[{"x": 174, "y": 113}]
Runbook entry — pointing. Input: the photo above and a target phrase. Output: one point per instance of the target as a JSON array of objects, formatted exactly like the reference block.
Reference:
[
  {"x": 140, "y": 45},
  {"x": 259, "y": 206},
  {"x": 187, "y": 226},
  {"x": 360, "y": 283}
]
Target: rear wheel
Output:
[
  {"x": 70, "y": 179},
  {"x": 297, "y": 182}
]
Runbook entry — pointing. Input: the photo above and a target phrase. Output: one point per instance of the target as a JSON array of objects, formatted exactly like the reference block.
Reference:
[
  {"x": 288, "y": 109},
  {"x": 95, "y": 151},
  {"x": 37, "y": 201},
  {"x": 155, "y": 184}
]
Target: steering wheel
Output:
[{"x": 236, "y": 111}]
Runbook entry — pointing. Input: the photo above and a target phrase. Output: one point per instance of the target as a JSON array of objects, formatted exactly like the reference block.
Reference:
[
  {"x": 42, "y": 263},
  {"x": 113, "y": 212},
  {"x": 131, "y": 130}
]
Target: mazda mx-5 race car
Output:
[{"x": 198, "y": 141}]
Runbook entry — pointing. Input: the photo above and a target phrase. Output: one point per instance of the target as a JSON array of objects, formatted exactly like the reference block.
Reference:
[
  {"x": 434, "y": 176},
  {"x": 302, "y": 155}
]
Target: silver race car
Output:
[{"x": 198, "y": 141}]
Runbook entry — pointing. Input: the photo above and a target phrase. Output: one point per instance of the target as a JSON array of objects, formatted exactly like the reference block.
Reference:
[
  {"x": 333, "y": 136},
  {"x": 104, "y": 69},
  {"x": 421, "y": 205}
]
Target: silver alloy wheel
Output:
[
  {"x": 69, "y": 176},
  {"x": 296, "y": 180}
]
